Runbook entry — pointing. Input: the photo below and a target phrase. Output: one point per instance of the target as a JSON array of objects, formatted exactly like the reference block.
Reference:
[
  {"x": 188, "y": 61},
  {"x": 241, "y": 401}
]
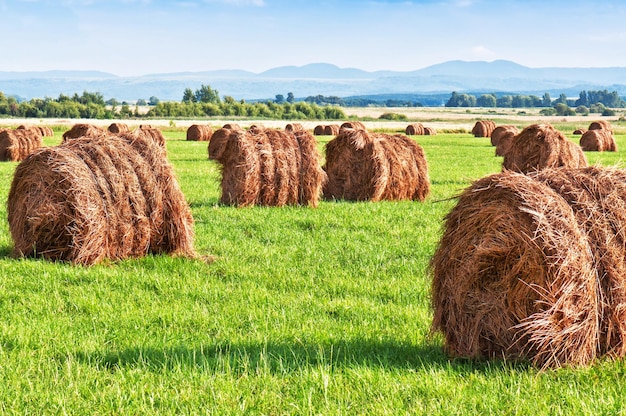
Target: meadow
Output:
[{"x": 288, "y": 310}]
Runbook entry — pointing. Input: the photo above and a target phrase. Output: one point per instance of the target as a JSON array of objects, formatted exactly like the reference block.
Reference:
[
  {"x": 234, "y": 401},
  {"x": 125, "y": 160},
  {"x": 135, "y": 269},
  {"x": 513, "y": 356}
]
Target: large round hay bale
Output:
[
  {"x": 414, "y": 129},
  {"x": 355, "y": 125},
  {"x": 483, "y": 128},
  {"x": 199, "y": 132},
  {"x": 579, "y": 131},
  {"x": 601, "y": 125},
  {"x": 331, "y": 130},
  {"x": 501, "y": 131},
  {"x": 541, "y": 146},
  {"x": 150, "y": 133},
  {"x": 430, "y": 131},
  {"x": 312, "y": 178},
  {"x": 117, "y": 128},
  {"x": 82, "y": 130},
  {"x": 598, "y": 141},
  {"x": 16, "y": 145},
  {"x": 368, "y": 166},
  {"x": 520, "y": 271},
  {"x": 294, "y": 127},
  {"x": 319, "y": 130},
  {"x": 91, "y": 199}
]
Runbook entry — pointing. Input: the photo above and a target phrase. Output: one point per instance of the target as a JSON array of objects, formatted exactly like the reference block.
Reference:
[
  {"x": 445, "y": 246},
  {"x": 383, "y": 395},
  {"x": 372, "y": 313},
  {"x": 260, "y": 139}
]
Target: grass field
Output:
[{"x": 303, "y": 311}]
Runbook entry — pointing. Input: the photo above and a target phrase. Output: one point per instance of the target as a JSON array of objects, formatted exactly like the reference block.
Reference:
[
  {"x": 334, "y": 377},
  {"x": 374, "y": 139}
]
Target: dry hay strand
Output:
[
  {"x": 232, "y": 126},
  {"x": 235, "y": 150},
  {"x": 319, "y": 130},
  {"x": 312, "y": 177},
  {"x": 483, "y": 128},
  {"x": 501, "y": 131},
  {"x": 293, "y": 127},
  {"x": 98, "y": 198},
  {"x": 601, "y": 125},
  {"x": 331, "y": 130},
  {"x": 430, "y": 131},
  {"x": 82, "y": 130},
  {"x": 541, "y": 146},
  {"x": 256, "y": 129},
  {"x": 414, "y": 129},
  {"x": 151, "y": 133},
  {"x": 366, "y": 166},
  {"x": 513, "y": 276},
  {"x": 287, "y": 161},
  {"x": 533, "y": 267},
  {"x": 16, "y": 145},
  {"x": 199, "y": 132},
  {"x": 579, "y": 131},
  {"x": 354, "y": 125},
  {"x": 117, "y": 128},
  {"x": 598, "y": 141}
]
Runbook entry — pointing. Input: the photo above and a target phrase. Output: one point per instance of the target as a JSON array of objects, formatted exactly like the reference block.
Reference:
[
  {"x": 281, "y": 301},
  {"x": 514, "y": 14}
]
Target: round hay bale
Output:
[
  {"x": 541, "y": 146},
  {"x": 501, "y": 131},
  {"x": 430, "y": 131},
  {"x": 483, "y": 128},
  {"x": 232, "y": 126},
  {"x": 312, "y": 178},
  {"x": 294, "y": 127},
  {"x": 82, "y": 130},
  {"x": 117, "y": 128},
  {"x": 414, "y": 129},
  {"x": 354, "y": 125},
  {"x": 319, "y": 130},
  {"x": 601, "y": 125},
  {"x": 331, "y": 130},
  {"x": 504, "y": 144},
  {"x": 598, "y": 141},
  {"x": 199, "y": 132},
  {"x": 151, "y": 133},
  {"x": 514, "y": 277},
  {"x": 16, "y": 145},
  {"x": 90, "y": 199},
  {"x": 366, "y": 166},
  {"x": 579, "y": 131}
]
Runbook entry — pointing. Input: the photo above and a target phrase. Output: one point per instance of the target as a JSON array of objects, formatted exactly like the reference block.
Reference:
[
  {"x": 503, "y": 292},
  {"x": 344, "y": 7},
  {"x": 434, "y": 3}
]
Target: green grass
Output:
[{"x": 303, "y": 311}]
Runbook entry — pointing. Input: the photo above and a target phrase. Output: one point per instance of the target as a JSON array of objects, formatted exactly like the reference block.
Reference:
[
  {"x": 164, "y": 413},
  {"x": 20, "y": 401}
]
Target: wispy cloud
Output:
[{"x": 482, "y": 52}]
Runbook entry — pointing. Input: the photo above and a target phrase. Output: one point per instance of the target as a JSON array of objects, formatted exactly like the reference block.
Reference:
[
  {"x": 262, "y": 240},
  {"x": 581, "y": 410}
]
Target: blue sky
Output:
[{"x": 138, "y": 37}]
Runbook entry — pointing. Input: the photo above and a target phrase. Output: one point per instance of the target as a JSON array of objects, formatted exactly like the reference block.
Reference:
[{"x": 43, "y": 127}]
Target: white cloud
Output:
[{"x": 482, "y": 52}]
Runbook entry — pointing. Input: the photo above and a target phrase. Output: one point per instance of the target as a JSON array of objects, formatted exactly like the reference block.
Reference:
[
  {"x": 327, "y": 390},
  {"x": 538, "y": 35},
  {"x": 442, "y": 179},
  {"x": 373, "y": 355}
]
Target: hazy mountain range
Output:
[{"x": 321, "y": 79}]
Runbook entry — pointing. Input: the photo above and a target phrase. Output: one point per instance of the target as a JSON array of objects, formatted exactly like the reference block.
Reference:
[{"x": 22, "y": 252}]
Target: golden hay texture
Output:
[
  {"x": 601, "y": 125},
  {"x": 483, "y": 128},
  {"x": 533, "y": 266},
  {"x": 16, "y": 145},
  {"x": 430, "y": 131},
  {"x": 90, "y": 199},
  {"x": 151, "y": 133},
  {"x": 117, "y": 128},
  {"x": 267, "y": 167},
  {"x": 294, "y": 127},
  {"x": 579, "y": 131},
  {"x": 541, "y": 146},
  {"x": 501, "y": 131},
  {"x": 414, "y": 129},
  {"x": 331, "y": 130},
  {"x": 369, "y": 166},
  {"x": 82, "y": 130},
  {"x": 319, "y": 130},
  {"x": 199, "y": 132},
  {"x": 352, "y": 125},
  {"x": 598, "y": 141}
]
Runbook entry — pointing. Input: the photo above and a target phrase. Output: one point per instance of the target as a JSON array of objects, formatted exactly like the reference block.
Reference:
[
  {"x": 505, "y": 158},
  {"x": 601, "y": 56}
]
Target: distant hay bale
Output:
[
  {"x": 430, "y": 131},
  {"x": 150, "y": 133},
  {"x": 267, "y": 167},
  {"x": 82, "y": 130},
  {"x": 199, "y": 132},
  {"x": 533, "y": 267},
  {"x": 231, "y": 126},
  {"x": 579, "y": 131},
  {"x": 319, "y": 130},
  {"x": 16, "y": 145},
  {"x": 483, "y": 128},
  {"x": 355, "y": 125},
  {"x": 414, "y": 129},
  {"x": 368, "y": 166},
  {"x": 501, "y": 131},
  {"x": 601, "y": 125},
  {"x": 116, "y": 128},
  {"x": 598, "y": 141},
  {"x": 331, "y": 130},
  {"x": 90, "y": 199},
  {"x": 541, "y": 146},
  {"x": 294, "y": 127}
]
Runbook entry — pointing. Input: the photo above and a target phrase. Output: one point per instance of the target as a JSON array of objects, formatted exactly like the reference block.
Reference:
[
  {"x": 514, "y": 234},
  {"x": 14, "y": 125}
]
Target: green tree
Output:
[
  {"x": 546, "y": 101},
  {"x": 279, "y": 99},
  {"x": 188, "y": 96},
  {"x": 153, "y": 100},
  {"x": 290, "y": 97},
  {"x": 486, "y": 100},
  {"x": 206, "y": 94}
]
